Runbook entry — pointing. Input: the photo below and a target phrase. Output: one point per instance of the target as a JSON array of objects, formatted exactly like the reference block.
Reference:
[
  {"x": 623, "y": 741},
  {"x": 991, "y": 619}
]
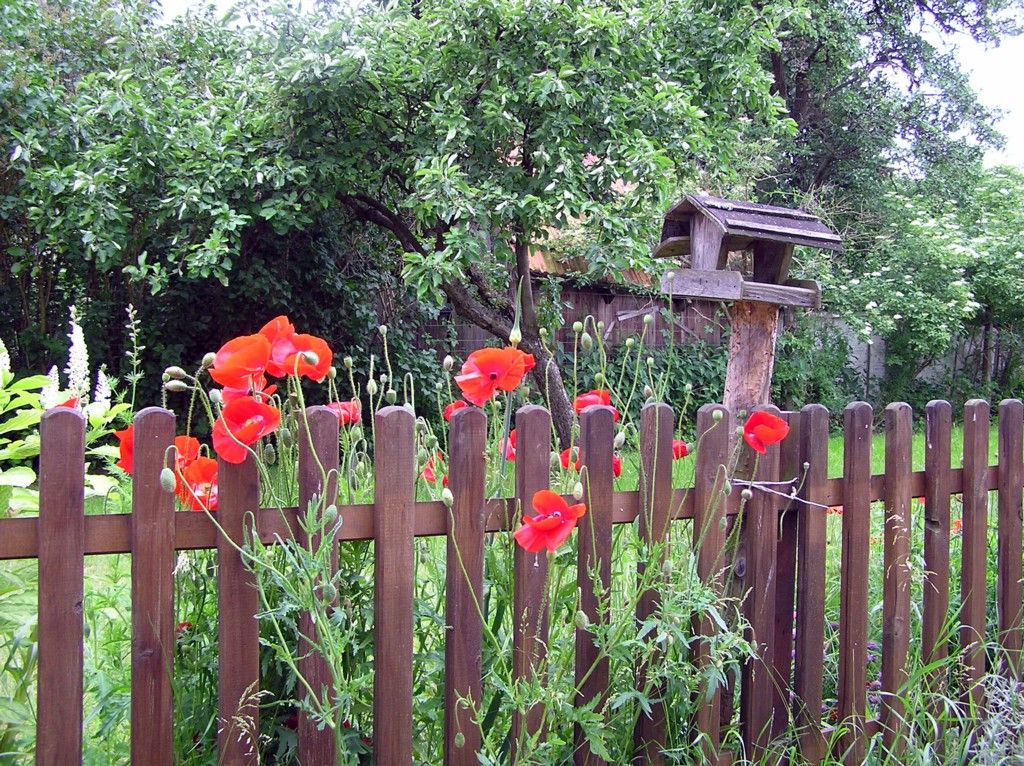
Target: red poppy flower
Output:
[
  {"x": 598, "y": 397},
  {"x": 287, "y": 357},
  {"x": 126, "y": 439},
  {"x": 957, "y": 527},
  {"x": 763, "y": 429},
  {"x": 199, "y": 489},
  {"x": 347, "y": 412},
  {"x": 552, "y": 525},
  {"x": 72, "y": 403},
  {"x": 184, "y": 626},
  {"x": 257, "y": 388},
  {"x": 489, "y": 369},
  {"x": 564, "y": 457},
  {"x": 680, "y": 449},
  {"x": 240, "y": 361},
  {"x": 429, "y": 475},
  {"x": 508, "y": 446},
  {"x": 454, "y": 407},
  {"x": 248, "y": 421}
]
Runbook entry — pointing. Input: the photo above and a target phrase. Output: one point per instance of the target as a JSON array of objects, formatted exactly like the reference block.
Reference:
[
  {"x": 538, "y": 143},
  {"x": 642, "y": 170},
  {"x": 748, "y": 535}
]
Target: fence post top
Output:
[
  {"x": 393, "y": 413},
  {"x": 897, "y": 407},
  {"x": 858, "y": 408},
  {"x": 56, "y": 414},
  {"x": 712, "y": 407},
  {"x": 528, "y": 410},
  {"x": 596, "y": 413},
  {"x": 813, "y": 409},
  {"x": 467, "y": 414},
  {"x": 974, "y": 404},
  {"x": 155, "y": 414},
  {"x": 656, "y": 407},
  {"x": 1007, "y": 404}
]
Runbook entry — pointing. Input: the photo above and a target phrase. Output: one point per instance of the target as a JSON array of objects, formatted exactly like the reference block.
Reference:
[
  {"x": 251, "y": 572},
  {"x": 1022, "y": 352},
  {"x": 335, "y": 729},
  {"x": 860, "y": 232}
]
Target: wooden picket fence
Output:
[{"x": 780, "y": 562}]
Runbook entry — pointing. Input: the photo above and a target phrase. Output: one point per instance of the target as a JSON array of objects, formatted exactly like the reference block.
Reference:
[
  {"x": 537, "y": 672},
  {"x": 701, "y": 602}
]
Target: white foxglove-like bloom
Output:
[
  {"x": 5, "y": 359},
  {"x": 78, "y": 359},
  {"x": 102, "y": 393},
  {"x": 49, "y": 395}
]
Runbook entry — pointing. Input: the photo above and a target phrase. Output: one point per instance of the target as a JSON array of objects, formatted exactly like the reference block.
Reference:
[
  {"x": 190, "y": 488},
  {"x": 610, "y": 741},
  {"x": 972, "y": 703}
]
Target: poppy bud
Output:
[
  {"x": 311, "y": 358},
  {"x": 431, "y": 441},
  {"x": 460, "y": 740},
  {"x": 216, "y": 396},
  {"x": 285, "y": 436},
  {"x": 371, "y": 387},
  {"x": 586, "y": 342},
  {"x": 543, "y": 332},
  {"x": 383, "y": 329},
  {"x": 330, "y": 514},
  {"x": 347, "y": 361},
  {"x": 620, "y": 439},
  {"x": 176, "y": 373},
  {"x": 582, "y": 621},
  {"x": 648, "y": 391},
  {"x": 383, "y": 379},
  {"x": 630, "y": 342},
  {"x": 650, "y": 361},
  {"x": 648, "y": 319},
  {"x": 515, "y": 337},
  {"x": 391, "y": 396},
  {"x": 577, "y": 327},
  {"x": 332, "y": 372},
  {"x": 449, "y": 362},
  {"x": 524, "y": 391},
  {"x": 209, "y": 359},
  {"x": 422, "y": 455},
  {"x": 670, "y": 275},
  {"x": 408, "y": 408},
  {"x": 599, "y": 378},
  {"x": 727, "y": 488},
  {"x": 577, "y": 490},
  {"x": 328, "y": 592},
  {"x": 439, "y": 386},
  {"x": 746, "y": 494},
  {"x": 447, "y": 497},
  {"x": 555, "y": 461},
  {"x": 600, "y": 326},
  {"x": 356, "y": 432},
  {"x": 666, "y": 568},
  {"x": 176, "y": 386},
  {"x": 739, "y": 430},
  {"x": 716, "y": 415},
  {"x": 269, "y": 454},
  {"x": 167, "y": 481},
  {"x": 165, "y": 377}
]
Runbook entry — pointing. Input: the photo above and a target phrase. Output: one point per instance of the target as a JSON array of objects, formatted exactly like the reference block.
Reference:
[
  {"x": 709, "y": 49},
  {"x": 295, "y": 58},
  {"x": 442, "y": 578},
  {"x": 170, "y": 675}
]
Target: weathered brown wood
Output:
[
  {"x": 238, "y": 642},
  {"x": 61, "y": 587},
  {"x": 938, "y": 423},
  {"x": 709, "y": 503},
  {"x": 672, "y": 247},
  {"x": 656, "y": 430},
  {"x": 782, "y": 295},
  {"x": 707, "y": 243},
  {"x": 152, "y": 549},
  {"x": 464, "y": 594},
  {"x": 853, "y": 594},
  {"x": 394, "y": 575},
  {"x": 974, "y": 567},
  {"x": 790, "y": 467},
  {"x": 697, "y": 283},
  {"x": 755, "y": 568},
  {"x": 594, "y": 565},
  {"x": 529, "y": 616},
  {"x": 318, "y": 488},
  {"x": 1011, "y": 481},
  {"x": 771, "y": 261},
  {"x": 896, "y": 583},
  {"x": 748, "y": 376},
  {"x": 810, "y": 588}
]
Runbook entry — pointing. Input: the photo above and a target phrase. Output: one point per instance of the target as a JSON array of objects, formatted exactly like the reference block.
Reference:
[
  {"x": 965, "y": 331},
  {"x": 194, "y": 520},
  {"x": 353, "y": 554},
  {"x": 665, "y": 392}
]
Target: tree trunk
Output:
[
  {"x": 548, "y": 377},
  {"x": 986, "y": 354}
]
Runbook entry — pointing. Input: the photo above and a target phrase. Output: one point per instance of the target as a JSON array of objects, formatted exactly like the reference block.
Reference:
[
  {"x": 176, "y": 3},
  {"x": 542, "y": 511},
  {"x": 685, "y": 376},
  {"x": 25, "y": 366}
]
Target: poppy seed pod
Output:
[
  {"x": 167, "y": 480},
  {"x": 176, "y": 373},
  {"x": 449, "y": 362},
  {"x": 648, "y": 392},
  {"x": 439, "y": 386},
  {"x": 586, "y": 342},
  {"x": 630, "y": 342},
  {"x": 515, "y": 337},
  {"x": 599, "y": 378},
  {"x": 383, "y": 329},
  {"x": 216, "y": 396},
  {"x": 648, "y": 319},
  {"x": 347, "y": 361},
  {"x": 371, "y": 387},
  {"x": 391, "y": 396},
  {"x": 577, "y": 327},
  {"x": 176, "y": 386},
  {"x": 716, "y": 415},
  {"x": 447, "y": 497},
  {"x": 746, "y": 494},
  {"x": 600, "y": 326},
  {"x": 577, "y": 490},
  {"x": 650, "y": 361},
  {"x": 209, "y": 359},
  {"x": 332, "y": 372}
]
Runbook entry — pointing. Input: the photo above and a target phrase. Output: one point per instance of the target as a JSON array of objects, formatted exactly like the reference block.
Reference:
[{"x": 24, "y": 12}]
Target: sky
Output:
[{"x": 994, "y": 73}]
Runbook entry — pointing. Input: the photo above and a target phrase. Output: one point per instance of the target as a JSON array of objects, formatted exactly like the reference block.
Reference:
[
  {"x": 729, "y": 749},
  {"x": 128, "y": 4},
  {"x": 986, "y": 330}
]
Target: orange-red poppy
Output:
[
  {"x": 429, "y": 474},
  {"x": 957, "y": 527},
  {"x": 199, "y": 488},
  {"x": 508, "y": 446},
  {"x": 597, "y": 397},
  {"x": 240, "y": 361},
  {"x": 126, "y": 445},
  {"x": 348, "y": 413},
  {"x": 680, "y": 449},
  {"x": 257, "y": 388},
  {"x": 244, "y": 420},
  {"x": 454, "y": 407},
  {"x": 552, "y": 525},
  {"x": 577, "y": 461},
  {"x": 488, "y": 370},
  {"x": 763, "y": 429},
  {"x": 288, "y": 357},
  {"x": 72, "y": 403}
]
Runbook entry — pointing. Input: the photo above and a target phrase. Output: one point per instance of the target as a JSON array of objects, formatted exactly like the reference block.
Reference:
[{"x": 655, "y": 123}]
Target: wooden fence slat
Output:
[
  {"x": 464, "y": 595},
  {"x": 529, "y": 620},
  {"x": 594, "y": 564},
  {"x": 896, "y": 582},
  {"x": 853, "y": 597},
  {"x": 61, "y": 587},
  {"x": 760, "y": 531},
  {"x": 974, "y": 567},
  {"x": 394, "y": 572},
  {"x": 1011, "y": 479},
  {"x": 152, "y": 549},
  {"x": 709, "y": 501},
  {"x": 810, "y": 587},
  {"x": 318, "y": 462},
  {"x": 656, "y": 431},
  {"x": 938, "y": 424},
  {"x": 790, "y": 467},
  {"x": 238, "y": 640}
]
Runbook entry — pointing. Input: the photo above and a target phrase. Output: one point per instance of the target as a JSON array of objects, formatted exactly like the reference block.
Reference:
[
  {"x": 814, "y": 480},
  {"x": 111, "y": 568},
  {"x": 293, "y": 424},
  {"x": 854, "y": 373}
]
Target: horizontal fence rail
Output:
[{"x": 780, "y": 560}]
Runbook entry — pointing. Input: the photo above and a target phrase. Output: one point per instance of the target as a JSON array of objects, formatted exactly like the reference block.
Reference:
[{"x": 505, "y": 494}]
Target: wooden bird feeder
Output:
[{"x": 718, "y": 235}]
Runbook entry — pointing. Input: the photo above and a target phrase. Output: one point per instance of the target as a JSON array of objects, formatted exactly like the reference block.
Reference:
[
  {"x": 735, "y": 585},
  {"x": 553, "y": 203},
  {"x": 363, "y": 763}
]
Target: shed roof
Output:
[{"x": 743, "y": 222}]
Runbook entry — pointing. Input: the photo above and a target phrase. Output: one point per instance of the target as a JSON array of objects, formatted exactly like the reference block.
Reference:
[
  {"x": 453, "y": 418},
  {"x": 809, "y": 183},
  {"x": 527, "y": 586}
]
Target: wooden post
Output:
[{"x": 748, "y": 377}]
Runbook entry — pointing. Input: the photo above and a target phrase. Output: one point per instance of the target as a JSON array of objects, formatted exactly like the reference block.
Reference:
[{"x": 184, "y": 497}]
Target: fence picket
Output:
[
  {"x": 318, "y": 462},
  {"x": 757, "y": 558},
  {"x": 656, "y": 429},
  {"x": 938, "y": 424},
  {"x": 152, "y": 549},
  {"x": 464, "y": 594},
  {"x": 853, "y": 597},
  {"x": 974, "y": 566},
  {"x": 61, "y": 586},
  {"x": 896, "y": 583},
  {"x": 1011, "y": 478},
  {"x": 709, "y": 500},
  {"x": 790, "y": 467},
  {"x": 529, "y": 620},
  {"x": 394, "y": 572},
  {"x": 238, "y": 641},
  {"x": 594, "y": 564},
  {"x": 810, "y": 588}
]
